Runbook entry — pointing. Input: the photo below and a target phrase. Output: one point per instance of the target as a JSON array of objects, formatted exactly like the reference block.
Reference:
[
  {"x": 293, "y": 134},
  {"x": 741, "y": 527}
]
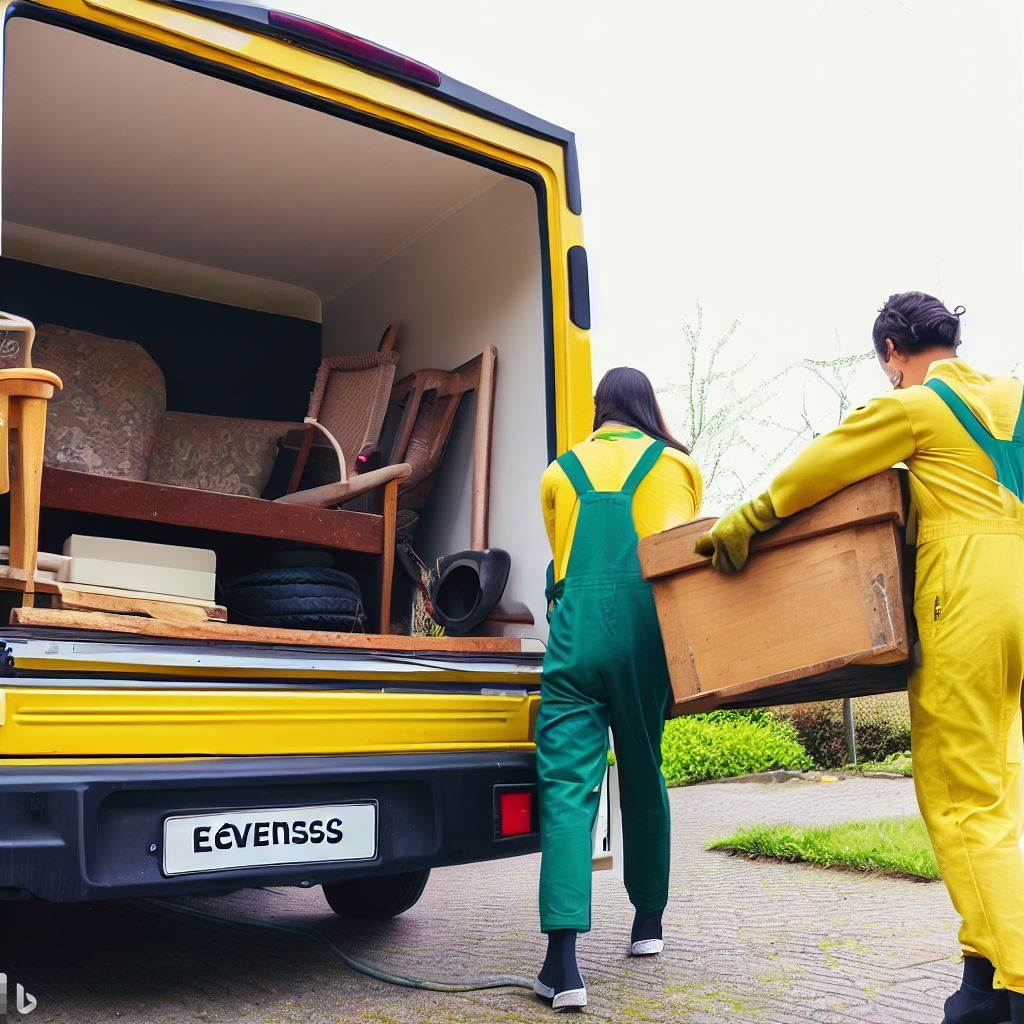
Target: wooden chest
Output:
[{"x": 822, "y": 609}]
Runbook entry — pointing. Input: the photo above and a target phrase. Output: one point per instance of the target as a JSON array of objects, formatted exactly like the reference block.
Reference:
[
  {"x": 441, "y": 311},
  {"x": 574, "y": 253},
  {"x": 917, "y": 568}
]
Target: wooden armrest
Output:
[
  {"x": 330, "y": 495},
  {"x": 34, "y": 374}
]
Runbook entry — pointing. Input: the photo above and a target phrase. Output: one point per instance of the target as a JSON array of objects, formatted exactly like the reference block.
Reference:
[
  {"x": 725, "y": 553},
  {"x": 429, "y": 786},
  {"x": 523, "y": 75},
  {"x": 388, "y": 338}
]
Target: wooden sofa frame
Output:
[{"x": 338, "y": 529}]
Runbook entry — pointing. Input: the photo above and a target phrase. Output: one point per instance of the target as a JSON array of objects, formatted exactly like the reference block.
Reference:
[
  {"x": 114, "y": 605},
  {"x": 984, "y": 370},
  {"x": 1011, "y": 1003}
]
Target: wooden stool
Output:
[{"x": 24, "y": 394}]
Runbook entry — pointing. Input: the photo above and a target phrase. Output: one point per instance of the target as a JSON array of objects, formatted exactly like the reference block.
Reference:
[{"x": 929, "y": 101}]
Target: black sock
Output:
[
  {"x": 978, "y": 972},
  {"x": 560, "y": 971},
  {"x": 646, "y": 926}
]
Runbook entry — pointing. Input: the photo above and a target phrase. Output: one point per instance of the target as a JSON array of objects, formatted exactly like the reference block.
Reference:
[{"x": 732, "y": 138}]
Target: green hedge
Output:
[
  {"x": 724, "y": 744},
  {"x": 882, "y": 726}
]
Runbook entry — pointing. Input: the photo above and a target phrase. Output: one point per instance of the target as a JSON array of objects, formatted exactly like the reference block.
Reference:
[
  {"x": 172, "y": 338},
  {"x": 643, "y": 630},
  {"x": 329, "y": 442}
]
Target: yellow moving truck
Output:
[{"x": 241, "y": 192}]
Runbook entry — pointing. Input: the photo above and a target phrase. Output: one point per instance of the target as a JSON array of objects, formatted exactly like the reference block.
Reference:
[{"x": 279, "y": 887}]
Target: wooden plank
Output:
[
  {"x": 482, "y": 445},
  {"x": 207, "y": 510},
  {"x": 168, "y": 611},
  {"x": 230, "y": 633},
  {"x": 13, "y": 581},
  {"x": 387, "y": 562},
  {"x": 878, "y": 499}
]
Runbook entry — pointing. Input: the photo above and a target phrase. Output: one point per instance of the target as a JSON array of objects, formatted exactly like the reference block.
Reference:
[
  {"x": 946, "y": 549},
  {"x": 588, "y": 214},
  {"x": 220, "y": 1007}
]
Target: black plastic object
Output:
[
  {"x": 297, "y": 597},
  {"x": 469, "y": 586},
  {"x": 579, "y": 288}
]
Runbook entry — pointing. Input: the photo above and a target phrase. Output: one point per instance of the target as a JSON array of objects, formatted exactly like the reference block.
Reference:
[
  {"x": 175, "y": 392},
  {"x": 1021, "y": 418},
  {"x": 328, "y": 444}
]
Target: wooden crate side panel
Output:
[
  {"x": 807, "y": 607},
  {"x": 670, "y": 599}
]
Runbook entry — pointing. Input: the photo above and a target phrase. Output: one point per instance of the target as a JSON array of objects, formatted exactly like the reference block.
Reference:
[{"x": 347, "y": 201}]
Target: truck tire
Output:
[{"x": 377, "y": 898}]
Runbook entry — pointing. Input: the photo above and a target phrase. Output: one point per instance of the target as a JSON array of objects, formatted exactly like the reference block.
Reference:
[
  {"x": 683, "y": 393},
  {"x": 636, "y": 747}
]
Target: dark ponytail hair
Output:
[
  {"x": 916, "y": 322},
  {"x": 626, "y": 396}
]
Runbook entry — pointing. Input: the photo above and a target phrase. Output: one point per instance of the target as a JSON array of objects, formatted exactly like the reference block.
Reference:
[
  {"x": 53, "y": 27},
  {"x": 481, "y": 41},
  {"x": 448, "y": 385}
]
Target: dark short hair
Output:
[
  {"x": 625, "y": 395},
  {"x": 915, "y": 322}
]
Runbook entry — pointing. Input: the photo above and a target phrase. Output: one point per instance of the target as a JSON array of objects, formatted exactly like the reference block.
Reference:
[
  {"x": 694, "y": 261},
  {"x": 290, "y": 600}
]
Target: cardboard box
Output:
[
  {"x": 820, "y": 611},
  {"x": 155, "y": 569}
]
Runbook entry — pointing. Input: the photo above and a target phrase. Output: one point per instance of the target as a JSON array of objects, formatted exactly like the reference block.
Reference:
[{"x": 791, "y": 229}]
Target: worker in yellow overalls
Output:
[
  {"x": 605, "y": 666},
  {"x": 961, "y": 435}
]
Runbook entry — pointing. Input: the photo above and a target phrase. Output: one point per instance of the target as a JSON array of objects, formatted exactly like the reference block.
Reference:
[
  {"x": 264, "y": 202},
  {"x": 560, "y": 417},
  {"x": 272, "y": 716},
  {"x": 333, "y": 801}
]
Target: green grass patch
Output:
[
  {"x": 894, "y": 764},
  {"x": 891, "y": 846},
  {"x": 724, "y": 744}
]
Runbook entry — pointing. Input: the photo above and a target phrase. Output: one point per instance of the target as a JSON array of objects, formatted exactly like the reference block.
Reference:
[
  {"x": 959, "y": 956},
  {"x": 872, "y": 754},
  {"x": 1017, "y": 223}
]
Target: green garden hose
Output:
[{"x": 313, "y": 935}]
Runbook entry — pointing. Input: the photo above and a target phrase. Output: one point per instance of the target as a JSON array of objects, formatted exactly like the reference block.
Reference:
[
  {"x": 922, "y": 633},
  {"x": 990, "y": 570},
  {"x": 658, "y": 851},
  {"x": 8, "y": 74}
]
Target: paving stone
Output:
[{"x": 746, "y": 942}]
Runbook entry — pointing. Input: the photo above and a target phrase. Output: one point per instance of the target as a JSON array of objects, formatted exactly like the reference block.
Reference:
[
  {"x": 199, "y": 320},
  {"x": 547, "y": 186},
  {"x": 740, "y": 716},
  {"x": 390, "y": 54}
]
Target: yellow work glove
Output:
[{"x": 728, "y": 542}]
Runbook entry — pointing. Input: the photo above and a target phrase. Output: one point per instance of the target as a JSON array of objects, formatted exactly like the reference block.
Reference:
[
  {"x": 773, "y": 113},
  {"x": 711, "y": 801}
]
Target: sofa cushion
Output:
[
  {"x": 216, "y": 453},
  {"x": 105, "y": 419}
]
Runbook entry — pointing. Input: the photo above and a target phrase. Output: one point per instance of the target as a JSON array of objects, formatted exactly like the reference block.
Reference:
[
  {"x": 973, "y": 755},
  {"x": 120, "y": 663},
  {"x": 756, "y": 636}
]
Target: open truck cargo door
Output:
[{"x": 219, "y": 198}]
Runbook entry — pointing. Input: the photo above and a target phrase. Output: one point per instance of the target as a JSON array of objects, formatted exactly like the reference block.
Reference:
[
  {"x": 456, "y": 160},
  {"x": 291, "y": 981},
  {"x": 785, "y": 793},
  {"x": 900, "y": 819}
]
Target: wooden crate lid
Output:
[{"x": 880, "y": 498}]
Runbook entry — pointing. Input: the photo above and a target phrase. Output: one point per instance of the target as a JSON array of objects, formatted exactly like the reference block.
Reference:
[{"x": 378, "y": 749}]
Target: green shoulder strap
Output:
[
  {"x": 573, "y": 469},
  {"x": 1006, "y": 456},
  {"x": 643, "y": 466}
]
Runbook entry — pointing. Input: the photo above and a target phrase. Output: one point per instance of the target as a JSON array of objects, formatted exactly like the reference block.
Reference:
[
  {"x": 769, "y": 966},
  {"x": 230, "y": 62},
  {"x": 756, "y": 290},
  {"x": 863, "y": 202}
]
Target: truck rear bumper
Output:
[{"x": 95, "y": 831}]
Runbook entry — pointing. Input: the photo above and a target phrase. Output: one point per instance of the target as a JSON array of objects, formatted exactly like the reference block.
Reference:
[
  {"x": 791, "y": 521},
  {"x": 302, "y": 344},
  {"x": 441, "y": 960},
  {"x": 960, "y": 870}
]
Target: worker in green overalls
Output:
[{"x": 605, "y": 667}]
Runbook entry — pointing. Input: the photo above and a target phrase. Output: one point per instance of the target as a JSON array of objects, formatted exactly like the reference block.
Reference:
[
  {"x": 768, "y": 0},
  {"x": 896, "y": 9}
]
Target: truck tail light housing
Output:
[
  {"x": 355, "y": 48},
  {"x": 515, "y": 812},
  {"x": 313, "y": 35}
]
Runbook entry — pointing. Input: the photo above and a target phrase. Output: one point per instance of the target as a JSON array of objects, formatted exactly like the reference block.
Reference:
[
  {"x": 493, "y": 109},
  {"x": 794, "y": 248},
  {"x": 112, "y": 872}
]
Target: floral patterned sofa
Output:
[{"x": 111, "y": 420}]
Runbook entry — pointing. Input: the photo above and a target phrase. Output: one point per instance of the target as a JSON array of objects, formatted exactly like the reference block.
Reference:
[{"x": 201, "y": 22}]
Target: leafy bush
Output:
[
  {"x": 724, "y": 744},
  {"x": 882, "y": 726}
]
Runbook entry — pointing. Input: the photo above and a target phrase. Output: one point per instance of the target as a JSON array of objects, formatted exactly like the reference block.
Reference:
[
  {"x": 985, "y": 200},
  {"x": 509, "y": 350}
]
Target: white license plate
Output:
[{"x": 276, "y": 835}]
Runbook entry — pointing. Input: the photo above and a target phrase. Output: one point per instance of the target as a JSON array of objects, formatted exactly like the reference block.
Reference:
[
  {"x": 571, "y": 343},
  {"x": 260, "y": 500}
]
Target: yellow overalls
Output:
[{"x": 965, "y": 696}]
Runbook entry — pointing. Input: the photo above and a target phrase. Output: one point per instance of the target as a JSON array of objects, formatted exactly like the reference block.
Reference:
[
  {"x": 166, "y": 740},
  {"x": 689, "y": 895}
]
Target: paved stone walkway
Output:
[{"x": 746, "y": 942}]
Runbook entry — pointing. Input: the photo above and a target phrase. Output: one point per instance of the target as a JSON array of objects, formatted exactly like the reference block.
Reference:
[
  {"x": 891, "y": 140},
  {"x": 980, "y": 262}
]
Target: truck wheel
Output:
[{"x": 380, "y": 898}]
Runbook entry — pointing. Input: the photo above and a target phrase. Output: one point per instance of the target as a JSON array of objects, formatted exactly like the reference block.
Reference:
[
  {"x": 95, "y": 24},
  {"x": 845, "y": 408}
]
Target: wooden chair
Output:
[
  {"x": 24, "y": 393},
  {"x": 426, "y": 403},
  {"x": 347, "y": 406}
]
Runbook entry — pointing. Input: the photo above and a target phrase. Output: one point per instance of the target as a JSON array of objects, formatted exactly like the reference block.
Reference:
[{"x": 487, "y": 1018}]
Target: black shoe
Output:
[
  {"x": 560, "y": 979},
  {"x": 645, "y": 939},
  {"x": 976, "y": 1002},
  {"x": 1016, "y": 1007}
]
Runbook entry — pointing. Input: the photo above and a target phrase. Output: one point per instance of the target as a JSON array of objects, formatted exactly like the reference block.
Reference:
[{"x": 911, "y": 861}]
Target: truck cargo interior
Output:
[{"x": 189, "y": 247}]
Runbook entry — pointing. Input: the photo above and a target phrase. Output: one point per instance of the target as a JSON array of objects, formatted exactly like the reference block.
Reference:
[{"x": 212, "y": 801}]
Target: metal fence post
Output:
[{"x": 850, "y": 730}]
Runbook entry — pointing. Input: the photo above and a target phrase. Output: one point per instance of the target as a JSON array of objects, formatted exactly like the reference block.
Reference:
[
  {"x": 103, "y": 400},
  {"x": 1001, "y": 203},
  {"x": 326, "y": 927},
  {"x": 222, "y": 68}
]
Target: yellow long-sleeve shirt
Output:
[
  {"x": 669, "y": 495},
  {"x": 951, "y": 479}
]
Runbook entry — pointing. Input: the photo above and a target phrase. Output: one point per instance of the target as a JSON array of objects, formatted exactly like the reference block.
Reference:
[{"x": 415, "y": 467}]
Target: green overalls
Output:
[{"x": 604, "y": 666}]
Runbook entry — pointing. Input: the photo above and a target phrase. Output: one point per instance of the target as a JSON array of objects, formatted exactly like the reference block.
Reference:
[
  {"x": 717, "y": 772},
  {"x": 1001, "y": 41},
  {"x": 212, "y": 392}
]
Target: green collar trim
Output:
[{"x": 614, "y": 435}]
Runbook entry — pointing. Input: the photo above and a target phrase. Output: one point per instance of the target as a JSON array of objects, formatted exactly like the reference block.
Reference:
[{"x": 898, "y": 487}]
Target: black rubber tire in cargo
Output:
[
  {"x": 310, "y": 597},
  {"x": 377, "y": 898}
]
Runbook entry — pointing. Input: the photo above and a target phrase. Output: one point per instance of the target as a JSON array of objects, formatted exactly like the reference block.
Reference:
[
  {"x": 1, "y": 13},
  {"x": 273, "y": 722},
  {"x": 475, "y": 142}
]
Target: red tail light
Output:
[
  {"x": 313, "y": 35},
  {"x": 515, "y": 814},
  {"x": 360, "y": 50}
]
